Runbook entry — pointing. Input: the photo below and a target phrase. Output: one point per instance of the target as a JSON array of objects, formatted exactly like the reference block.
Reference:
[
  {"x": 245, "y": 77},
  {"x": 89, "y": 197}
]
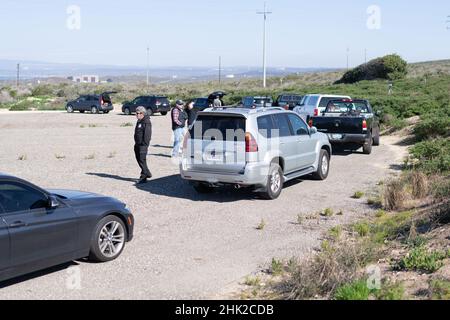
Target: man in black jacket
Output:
[{"x": 142, "y": 137}]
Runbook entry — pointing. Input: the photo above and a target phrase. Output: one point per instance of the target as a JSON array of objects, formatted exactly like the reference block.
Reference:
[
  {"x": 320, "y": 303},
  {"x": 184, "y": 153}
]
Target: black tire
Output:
[
  {"x": 203, "y": 188},
  {"x": 94, "y": 110},
  {"x": 127, "y": 111},
  {"x": 106, "y": 112},
  {"x": 323, "y": 167},
  {"x": 275, "y": 183},
  {"x": 164, "y": 113},
  {"x": 376, "y": 138},
  {"x": 367, "y": 147},
  {"x": 96, "y": 253},
  {"x": 81, "y": 111},
  {"x": 150, "y": 112},
  {"x": 69, "y": 108}
]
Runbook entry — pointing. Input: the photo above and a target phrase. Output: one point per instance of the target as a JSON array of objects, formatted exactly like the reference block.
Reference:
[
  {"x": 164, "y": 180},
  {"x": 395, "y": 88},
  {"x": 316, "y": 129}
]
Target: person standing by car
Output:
[
  {"x": 217, "y": 102},
  {"x": 191, "y": 112},
  {"x": 179, "y": 117},
  {"x": 142, "y": 137}
]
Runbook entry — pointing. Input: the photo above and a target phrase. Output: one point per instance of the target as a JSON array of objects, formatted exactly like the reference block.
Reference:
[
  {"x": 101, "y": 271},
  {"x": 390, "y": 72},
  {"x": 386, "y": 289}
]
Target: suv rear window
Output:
[
  {"x": 311, "y": 100},
  {"x": 222, "y": 128}
]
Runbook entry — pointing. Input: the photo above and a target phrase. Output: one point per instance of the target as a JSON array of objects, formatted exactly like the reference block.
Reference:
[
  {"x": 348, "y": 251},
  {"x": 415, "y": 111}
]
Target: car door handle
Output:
[{"x": 17, "y": 224}]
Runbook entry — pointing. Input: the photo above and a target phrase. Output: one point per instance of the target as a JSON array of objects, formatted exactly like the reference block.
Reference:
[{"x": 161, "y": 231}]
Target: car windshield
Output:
[
  {"x": 310, "y": 101},
  {"x": 346, "y": 107}
]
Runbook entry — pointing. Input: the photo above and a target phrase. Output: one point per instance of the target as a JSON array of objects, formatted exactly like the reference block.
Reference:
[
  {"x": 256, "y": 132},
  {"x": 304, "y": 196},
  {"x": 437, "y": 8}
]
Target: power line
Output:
[
  {"x": 220, "y": 69},
  {"x": 264, "y": 13},
  {"x": 148, "y": 67}
]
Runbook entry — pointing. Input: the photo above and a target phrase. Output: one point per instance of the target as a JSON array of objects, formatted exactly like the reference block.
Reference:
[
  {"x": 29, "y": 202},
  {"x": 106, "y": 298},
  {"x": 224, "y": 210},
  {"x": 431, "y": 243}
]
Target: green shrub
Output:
[
  {"x": 440, "y": 289},
  {"x": 390, "y": 67},
  {"x": 358, "y": 195},
  {"x": 362, "y": 228},
  {"x": 390, "y": 291},
  {"x": 433, "y": 156},
  {"x": 433, "y": 127},
  {"x": 420, "y": 259},
  {"x": 357, "y": 290}
]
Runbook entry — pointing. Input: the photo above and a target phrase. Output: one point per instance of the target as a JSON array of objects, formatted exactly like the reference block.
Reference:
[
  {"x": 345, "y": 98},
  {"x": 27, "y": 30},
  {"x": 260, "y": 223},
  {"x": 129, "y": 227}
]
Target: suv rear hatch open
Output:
[{"x": 216, "y": 143}]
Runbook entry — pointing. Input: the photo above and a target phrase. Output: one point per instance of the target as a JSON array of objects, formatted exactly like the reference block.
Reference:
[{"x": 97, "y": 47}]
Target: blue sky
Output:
[{"x": 194, "y": 33}]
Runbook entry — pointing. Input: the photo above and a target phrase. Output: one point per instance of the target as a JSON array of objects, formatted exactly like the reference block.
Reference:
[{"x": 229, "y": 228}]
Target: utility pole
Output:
[
  {"x": 348, "y": 53},
  {"x": 148, "y": 67},
  {"x": 365, "y": 56},
  {"x": 18, "y": 75},
  {"x": 220, "y": 70},
  {"x": 265, "y": 13}
]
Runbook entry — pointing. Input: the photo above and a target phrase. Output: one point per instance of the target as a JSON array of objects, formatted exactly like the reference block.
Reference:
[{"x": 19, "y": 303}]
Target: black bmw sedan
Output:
[{"x": 43, "y": 228}]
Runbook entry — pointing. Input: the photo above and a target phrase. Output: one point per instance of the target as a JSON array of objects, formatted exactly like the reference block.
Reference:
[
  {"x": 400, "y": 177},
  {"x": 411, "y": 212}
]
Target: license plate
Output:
[
  {"x": 335, "y": 136},
  {"x": 213, "y": 157}
]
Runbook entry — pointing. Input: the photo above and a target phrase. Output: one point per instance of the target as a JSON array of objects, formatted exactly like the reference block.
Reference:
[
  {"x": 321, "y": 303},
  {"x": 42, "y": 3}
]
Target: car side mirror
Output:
[
  {"x": 53, "y": 202},
  {"x": 312, "y": 130}
]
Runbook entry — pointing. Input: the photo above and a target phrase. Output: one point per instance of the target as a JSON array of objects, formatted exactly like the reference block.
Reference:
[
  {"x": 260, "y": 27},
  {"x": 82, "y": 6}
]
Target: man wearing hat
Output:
[
  {"x": 142, "y": 137},
  {"x": 179, "y": 117}
]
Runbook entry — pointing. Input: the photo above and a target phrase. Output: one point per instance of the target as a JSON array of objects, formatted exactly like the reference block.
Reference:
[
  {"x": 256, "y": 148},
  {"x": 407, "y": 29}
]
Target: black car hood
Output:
[{"x": 74, "y": 195}]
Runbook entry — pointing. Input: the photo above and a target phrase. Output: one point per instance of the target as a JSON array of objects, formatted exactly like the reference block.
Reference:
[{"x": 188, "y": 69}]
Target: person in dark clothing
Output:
[
  {"x": 191, "y": 112},
  {"x": 142, "y": 137},
  {"x": 179, "y": 117}
]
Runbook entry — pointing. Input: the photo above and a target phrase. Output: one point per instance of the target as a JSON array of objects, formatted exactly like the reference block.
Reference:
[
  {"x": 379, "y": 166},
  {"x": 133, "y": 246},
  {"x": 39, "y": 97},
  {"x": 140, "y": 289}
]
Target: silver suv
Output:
[{"x": 261, "y": 148}]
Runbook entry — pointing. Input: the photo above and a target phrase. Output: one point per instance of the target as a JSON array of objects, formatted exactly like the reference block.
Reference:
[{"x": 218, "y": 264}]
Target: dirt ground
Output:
[{"x": 186, "y": 245}]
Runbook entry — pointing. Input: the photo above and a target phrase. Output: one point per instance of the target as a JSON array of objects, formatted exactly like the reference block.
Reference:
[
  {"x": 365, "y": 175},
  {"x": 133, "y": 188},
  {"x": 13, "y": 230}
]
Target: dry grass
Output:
[
  {"x": 419, "y": 184},
  {"x": 395, "y": 195}
]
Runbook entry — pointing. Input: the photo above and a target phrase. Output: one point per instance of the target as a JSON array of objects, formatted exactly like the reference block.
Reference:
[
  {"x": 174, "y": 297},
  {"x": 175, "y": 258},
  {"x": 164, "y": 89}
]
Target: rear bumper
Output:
[
  {"x": 348, "y": 138},
  {"x": 162, "y": 109},
  {"x": 106, "y": 108},
  {"x": 253, "y": 174}
]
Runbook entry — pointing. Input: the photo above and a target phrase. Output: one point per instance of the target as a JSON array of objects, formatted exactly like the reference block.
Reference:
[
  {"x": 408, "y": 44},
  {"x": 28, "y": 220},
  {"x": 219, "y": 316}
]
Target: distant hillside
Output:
[{"x": 431, "y": 67}]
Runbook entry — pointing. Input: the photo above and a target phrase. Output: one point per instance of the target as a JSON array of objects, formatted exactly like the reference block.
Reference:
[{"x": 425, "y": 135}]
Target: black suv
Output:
[
  {"x": 288, "y": 100},
  {"x": 94, "y": 103},
  {"x": 201, "y": 104},
  {"x": 153, "y": 104}
]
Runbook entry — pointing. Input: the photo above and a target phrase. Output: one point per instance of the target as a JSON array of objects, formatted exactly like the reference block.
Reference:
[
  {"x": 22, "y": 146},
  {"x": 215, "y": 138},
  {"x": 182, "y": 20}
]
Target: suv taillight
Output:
[
  {"x": 316, "y": 112},
  {"x": 187, "y": 136},
  {"x": 310, "y": 123},
  {"x": 250, "y": 143},
  {"x": 364, "y": 125},
  {"x": 101, "y": 101}
]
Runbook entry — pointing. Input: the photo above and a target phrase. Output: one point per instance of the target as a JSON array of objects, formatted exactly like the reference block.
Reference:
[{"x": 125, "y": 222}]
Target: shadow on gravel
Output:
[
  {"x": 111, "y": 176},
  {"x": 175, "y": 187},
  {"x": 37, "y": 274},
  {"x": 162, "y": 155},
  {"x": 161, "y": 146}
]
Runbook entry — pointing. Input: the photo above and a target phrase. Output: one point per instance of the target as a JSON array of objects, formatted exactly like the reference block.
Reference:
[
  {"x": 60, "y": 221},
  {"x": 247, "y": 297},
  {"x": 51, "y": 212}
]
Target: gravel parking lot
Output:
[{"x": 186, "y": 246}]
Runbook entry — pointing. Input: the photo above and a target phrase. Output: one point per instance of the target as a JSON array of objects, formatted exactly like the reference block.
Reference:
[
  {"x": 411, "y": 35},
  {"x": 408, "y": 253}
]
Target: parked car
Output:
[
  {"x": 43, "y": 228},
  {"x": 314, "y": 104},
  {"x": 260, "y": 148},
  {"x": 349, "y": 123},
  {"x": 256, "y": 102},
  {"x": 288, "y": 101},
  {"x": 94, "y": 103},
  {"x": 153, "y": 104},
  {"x": 201, "y": 104}
]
